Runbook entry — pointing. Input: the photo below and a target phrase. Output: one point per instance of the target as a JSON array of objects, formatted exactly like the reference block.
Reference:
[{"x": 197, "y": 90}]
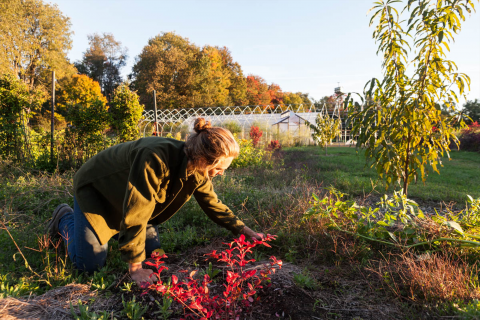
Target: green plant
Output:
[
  {"x": 326, "y": 128},
  {"x": 133, "y": 310},
  {"x": 126, "y": 113},
  {"x": 127, "y": 286},
  {"x": 399, "y": 125},
  {"x": 89, "y": 315},
  {"x": 305, "y": 280},
  {"x": 16, "y": 102},
  {"x": 402, "y": 224},
  {"x": 102, "y": 279},
  {"x": 470, "y": 310},
  {"x": 251, "y": 156},
  {"x": 212, "y": 273},
  {"x": 164, "y": 311}
]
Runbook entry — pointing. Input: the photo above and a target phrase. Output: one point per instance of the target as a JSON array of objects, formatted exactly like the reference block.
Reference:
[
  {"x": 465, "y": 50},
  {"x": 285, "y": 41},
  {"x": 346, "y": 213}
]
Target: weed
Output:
[
  {"x": 127, "y": 287},
  {"x": 164, "y": 310},
  {"x": 210, "y": 272},
  {"x": 133, "y": 310},
  {"x": 89, "y": 315},
  {"x": 305, "y": 280}
]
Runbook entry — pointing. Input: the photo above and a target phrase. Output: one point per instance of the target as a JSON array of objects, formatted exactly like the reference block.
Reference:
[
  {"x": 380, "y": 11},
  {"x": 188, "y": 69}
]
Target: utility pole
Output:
[
  {"x": 53, "y": 117},
  {"x": 155, "y": 112}
]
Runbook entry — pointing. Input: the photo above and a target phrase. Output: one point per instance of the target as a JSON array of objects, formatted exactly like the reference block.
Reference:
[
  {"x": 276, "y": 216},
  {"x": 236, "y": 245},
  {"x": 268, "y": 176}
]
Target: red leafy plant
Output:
[
  {"x": 255, "y": 135},
  {"x": 240, "y": 288},
  {"x": 274, "y": 145}
]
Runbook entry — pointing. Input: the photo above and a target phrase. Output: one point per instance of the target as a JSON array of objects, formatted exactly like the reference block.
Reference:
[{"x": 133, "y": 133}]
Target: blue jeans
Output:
[{"x": 84, "y": 249}]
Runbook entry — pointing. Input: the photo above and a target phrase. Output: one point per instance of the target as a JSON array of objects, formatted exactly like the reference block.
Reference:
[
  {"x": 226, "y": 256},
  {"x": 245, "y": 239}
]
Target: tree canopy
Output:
[
  {"x": 34, "y": 39},
  {"x": 103, "y": 61}
]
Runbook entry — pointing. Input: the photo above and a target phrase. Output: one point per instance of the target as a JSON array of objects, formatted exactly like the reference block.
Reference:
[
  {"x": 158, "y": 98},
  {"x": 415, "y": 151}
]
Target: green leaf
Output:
[
  {"x": 392, "y": 236},
  {"x": 455, "y": 226}
]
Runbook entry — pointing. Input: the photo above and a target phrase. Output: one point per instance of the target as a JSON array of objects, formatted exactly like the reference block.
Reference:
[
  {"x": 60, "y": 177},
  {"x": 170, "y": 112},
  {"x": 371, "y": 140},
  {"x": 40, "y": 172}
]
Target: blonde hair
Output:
[{"x": 208, "y": 145}]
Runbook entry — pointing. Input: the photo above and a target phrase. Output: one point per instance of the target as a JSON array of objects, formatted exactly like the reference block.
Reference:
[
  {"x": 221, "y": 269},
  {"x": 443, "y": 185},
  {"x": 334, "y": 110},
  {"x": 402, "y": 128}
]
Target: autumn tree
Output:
[
  {"x": 275, "y": 93},
  {"x": 34, "y": 39},
  {"x": 79, "y": 89},
  {"x": 292, "y": 98},
  {"x": 212, "y": 79},
  {"x": 238, "y": 84},
  {"x": 103, "y": 61},
  {"x": 167, "y": 65},
  {"x": 257, "y": 91},
  {"x": 402, "y": 130}
]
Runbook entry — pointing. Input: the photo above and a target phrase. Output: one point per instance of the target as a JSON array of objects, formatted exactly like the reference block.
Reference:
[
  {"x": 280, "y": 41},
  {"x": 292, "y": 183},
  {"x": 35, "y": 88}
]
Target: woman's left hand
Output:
[{"x": 249, "y": 233}]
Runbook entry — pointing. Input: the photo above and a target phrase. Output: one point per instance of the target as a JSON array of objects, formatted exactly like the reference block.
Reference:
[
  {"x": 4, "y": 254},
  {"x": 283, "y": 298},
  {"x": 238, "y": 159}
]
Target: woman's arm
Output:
[{"x": 146, "y": 173}]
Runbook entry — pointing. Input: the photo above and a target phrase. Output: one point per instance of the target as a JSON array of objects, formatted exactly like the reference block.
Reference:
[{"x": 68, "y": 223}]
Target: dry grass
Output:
[{"x": 431, "y": 277}]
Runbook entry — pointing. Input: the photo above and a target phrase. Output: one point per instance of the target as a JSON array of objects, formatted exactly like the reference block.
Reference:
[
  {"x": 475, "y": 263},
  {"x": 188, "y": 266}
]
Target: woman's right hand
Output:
[{"x": 140, "y": 275}]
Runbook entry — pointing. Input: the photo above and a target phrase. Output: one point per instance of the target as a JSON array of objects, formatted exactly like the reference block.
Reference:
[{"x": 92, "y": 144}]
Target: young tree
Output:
[
  {"x": 34, "y": 39},
  {"x": 326, "y": 128},
  {"x": 126, "y": 112},
  {"x": 397, "y": 128},
  {"x": 103, "y": 61}
]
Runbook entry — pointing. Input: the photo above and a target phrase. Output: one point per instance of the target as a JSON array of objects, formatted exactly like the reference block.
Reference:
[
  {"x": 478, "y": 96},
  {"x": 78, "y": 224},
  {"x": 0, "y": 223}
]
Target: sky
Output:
[{"x": 302, "y": 45}]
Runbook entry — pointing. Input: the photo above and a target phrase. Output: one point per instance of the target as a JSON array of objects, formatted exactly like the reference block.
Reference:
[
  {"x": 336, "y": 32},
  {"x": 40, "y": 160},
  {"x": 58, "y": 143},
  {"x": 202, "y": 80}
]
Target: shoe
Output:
[{"x": 58, "y": 213}]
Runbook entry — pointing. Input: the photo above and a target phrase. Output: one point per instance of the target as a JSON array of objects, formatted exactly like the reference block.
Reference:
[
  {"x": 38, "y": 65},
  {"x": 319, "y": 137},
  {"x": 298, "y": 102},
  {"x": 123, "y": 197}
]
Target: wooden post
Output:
[
  {"x": 53, "y": 117},
  {"x": 155, "y": 112}
]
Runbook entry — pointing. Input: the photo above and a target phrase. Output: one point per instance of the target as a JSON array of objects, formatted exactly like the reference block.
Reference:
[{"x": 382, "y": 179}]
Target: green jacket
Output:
[{"x": 127, "y": 186}]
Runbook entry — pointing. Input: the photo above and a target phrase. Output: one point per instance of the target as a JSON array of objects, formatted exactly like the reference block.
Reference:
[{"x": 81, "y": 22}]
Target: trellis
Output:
[{"x": 170, "y": 120}]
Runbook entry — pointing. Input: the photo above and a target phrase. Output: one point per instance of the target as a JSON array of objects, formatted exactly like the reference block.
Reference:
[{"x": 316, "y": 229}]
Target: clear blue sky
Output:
[{"x": 301, "y": 45}]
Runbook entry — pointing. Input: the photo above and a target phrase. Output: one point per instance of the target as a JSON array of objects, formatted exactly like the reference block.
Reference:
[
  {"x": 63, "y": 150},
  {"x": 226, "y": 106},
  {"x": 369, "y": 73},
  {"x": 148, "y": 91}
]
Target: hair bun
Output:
[{"x": 201, "y": 125}]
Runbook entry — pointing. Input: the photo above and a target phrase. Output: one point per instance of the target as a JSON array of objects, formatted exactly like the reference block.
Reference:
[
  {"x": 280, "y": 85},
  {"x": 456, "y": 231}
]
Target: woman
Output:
[{"x": 130, "y": 188}]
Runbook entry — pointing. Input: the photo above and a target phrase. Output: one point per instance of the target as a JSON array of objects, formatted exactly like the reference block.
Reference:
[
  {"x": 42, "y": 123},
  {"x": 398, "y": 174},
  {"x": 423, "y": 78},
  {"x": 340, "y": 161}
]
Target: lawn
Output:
[
  {"x": 346, "y": 170},
  {"x": 326, "y": 274}
]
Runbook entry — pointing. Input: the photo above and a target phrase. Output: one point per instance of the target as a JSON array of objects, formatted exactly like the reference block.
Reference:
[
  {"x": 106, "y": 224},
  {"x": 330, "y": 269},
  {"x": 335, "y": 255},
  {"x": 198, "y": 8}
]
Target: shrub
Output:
[
  {"x": 274, "y": 145},
  {"x": 126, "y": 113},
  {"x": 255, "y": 135},
  {"x": 15, "y": 102},
  {"x": 251, "y": 156},
  {"x": 233, "y": 126},
  {"x": 241, "y": 284},
  {"x": 470, "y": 138}
]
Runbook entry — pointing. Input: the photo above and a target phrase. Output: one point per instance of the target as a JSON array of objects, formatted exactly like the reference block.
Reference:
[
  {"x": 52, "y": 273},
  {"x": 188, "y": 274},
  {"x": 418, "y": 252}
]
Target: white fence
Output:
[{"x": 173, "y": 121}]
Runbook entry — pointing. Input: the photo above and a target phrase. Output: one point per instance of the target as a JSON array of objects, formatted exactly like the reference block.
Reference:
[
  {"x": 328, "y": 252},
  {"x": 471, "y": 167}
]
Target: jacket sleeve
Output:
[
  {"x": 146, "y": 172},
  {"x": 215, "y": 209}
]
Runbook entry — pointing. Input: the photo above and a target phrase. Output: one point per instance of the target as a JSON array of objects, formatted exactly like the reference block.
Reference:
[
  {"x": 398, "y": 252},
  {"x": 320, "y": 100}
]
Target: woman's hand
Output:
[
  {"x": 140, "y": 275},
  {"x": 249, "y": 233}
]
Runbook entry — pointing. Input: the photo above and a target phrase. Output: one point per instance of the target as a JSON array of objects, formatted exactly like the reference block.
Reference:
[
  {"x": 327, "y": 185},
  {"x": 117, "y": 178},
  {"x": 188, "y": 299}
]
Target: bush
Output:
[
  {"x": 233, "y": 126},
  {"x": 251, "y": 156},
  {"x": 470, "y": 138},
  {"x": 274, "y": 145},
  {"x": 126, "y": 113},
  {"x": 255, "y": 135},
  {"x": 15, "y": 103}
]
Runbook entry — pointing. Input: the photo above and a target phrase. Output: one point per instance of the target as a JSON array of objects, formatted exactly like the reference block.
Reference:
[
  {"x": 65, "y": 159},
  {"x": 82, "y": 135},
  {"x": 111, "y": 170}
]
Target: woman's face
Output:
[{"x": 220, "y": 167}]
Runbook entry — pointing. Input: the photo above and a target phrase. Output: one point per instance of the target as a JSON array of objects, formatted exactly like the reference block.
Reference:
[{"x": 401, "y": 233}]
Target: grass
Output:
[
  {"x": 272, "y": 200},
  {"x": 346, "y": 170}
]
